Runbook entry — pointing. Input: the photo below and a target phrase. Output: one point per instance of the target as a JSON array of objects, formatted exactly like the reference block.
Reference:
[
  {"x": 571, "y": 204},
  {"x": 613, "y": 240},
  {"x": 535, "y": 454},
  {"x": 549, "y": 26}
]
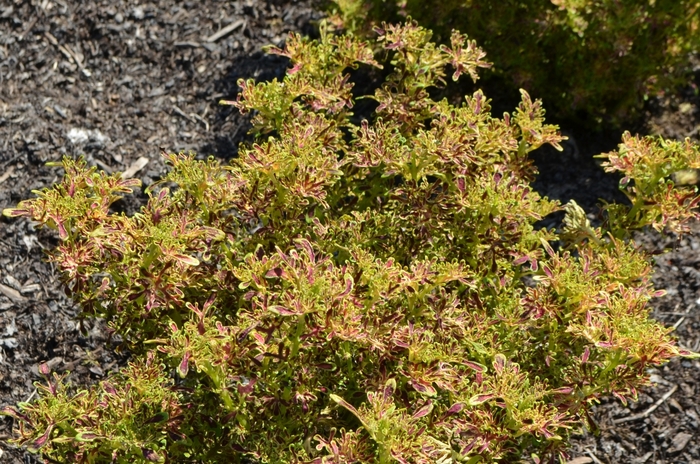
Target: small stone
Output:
[{"x": 137, "y": 13}]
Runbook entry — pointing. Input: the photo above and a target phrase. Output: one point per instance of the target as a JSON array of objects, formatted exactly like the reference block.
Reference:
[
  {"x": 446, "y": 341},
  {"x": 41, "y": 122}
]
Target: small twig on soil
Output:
[
  {"x": 135, "y": 167},
  {"x": 183, "y": 114},
  {"x": 104, "y": 166},
  {"x": 201, "y": 119},
  {"x": 188, "y": 44},
  {"x": 12, "y": 294},
  {"x": 31, "y": 396},
  {"x": 646, "y": 413},
  {"x": 678, "y": 323},
  {"x": 225, "y": 31},
  {"x": 594, "y": 457},
  {"x": 28, "y": 28},
  {"x": 68, "y": 53},
  {"x": 11, "y": 160},
  {"x": 78, "y": 61}
]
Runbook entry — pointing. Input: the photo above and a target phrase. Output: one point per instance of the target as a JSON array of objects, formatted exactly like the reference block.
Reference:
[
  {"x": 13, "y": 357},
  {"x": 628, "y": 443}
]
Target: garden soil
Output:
[{"x": 121, "y": 81}]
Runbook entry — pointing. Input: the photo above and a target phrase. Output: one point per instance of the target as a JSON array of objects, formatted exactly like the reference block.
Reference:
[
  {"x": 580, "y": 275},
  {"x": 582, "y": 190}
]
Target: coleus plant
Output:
[
  {"x": 594, "y": 61},
  {"x": 354, "y": 291}
]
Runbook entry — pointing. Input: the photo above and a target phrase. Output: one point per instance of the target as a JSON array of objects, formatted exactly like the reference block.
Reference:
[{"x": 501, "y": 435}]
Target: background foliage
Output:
[{"x": 592, "y": 60}]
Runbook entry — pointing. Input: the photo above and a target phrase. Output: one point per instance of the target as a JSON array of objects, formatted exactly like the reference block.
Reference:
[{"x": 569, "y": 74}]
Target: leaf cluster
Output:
[
  {"x": 350, "y": 292},
  {"x": 594, "y": 60}
]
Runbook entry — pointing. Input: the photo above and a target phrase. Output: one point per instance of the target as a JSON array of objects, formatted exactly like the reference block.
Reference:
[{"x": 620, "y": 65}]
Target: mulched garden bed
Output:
[{"x": 121, "y": 81}]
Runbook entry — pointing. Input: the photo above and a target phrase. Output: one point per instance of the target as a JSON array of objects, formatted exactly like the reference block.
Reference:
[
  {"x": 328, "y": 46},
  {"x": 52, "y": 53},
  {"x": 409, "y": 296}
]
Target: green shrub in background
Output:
[
  {"x": 592, "y": 60},
  {"x": 356, "y": 293}
]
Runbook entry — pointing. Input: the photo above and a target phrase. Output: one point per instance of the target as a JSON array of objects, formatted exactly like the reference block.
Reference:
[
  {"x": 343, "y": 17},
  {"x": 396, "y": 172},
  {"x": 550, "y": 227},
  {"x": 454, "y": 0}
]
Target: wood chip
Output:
[
  {"x": 135, "y": 167},
  {"x": 31, "y": 288},
  {"x": 187, "y": 44},
  {"x": 12, "y": 282},
  {"x": 183, "y": 114},
  {"x": 679, "y": 442},
  {"x": 643, "y": 459},
  {"x": 8, "y": 173},
  {"x": 12, "y": 294},
  {"x": 225, "y": 31}
]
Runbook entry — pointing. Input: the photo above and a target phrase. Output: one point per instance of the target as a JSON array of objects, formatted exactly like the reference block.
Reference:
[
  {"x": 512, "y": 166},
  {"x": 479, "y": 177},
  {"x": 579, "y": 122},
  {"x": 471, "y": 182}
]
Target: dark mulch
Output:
[{"x": 121, "y": 80}]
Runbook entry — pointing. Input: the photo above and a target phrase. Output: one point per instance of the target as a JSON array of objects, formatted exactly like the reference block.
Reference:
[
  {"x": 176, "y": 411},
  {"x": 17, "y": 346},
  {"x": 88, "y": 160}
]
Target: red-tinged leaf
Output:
[
  {"x": 349, "y": 284},
  {"x": 475, "y": 366},
  {"x": 62, "y": 233},
  {"x": 461, "y": 184},
  {"x": 563, "y": 391},
  {"x": 454, "y": 409},
  {"x": 259, "y": 337},
  {"x": 248, "y": 387},
  {"x": 14, "y": 413},
  {"x": 274, "y": 273},
  {"x": 305, "y": 244},
  {"x": 497, "y": 178},
  {"x": 173, "y": 327},
  {"x": 130, "y": 183},
  {"x": 535, "y": 458},
  {"x": 281, "y": 310},
  {"x": 398, "y": 457},
  {"x": 86, "y": 436},
  {"x": 389, "y": 389},
  {"x": 109, "y": 389},
  {"x": 44, "y": 369},
  {"x": 548, "y": 271},
  {"x": 188, "y": 260},
  {"x": 604, "y": 344},
  {"x": 150, "y": 455},
  {"x": 586, "y": 354},
  {"x": 499, "y": 363},
  {"x": 659, "y": 293},
  {"x": 184, "y": 366},
  {"x": 338, "y": 400},
  {"x": 479, "y": 399},
  {"x": 620, "y": 397},
  {"x": 521, "y": 260},
  {"x": 484, "y": 447},
  {"x": 16, "y": 212},
  {"x": 469, "y": 447},
  {"x": 424, "y": 411},
  {"x": 547, "y": 247},
  {"x": 325, "y": 366},
  {"x": 42, "y": 440},
  {"x": 424, "y": 388}
]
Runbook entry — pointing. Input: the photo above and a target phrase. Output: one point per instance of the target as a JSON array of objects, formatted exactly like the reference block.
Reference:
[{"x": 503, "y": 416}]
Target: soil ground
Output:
[{"x": 120, "y": 81}]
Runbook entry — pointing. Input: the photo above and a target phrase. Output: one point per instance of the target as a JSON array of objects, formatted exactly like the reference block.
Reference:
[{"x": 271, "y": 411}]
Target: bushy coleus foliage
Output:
[
  {"x": 355, "y": 292},
  {"x": 596, "y": 60}
]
